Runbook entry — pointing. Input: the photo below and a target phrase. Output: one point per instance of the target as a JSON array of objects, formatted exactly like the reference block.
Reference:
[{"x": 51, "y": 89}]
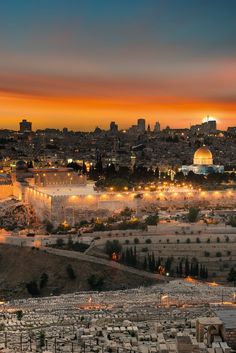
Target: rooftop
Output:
[
  {"x": 228, "y": 317},
  {"x": 70, "y": 190}
]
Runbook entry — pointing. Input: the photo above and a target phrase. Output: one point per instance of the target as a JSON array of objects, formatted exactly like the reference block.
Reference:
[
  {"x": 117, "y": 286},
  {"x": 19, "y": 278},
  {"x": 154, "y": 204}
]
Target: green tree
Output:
[
  {"x": 193, "y": 214},
  {"x": 145, "y": 263},
  {"x": 70, "y": 243},
  {"x": 99, "y": 227},
  {"x": 126, "y": 212},
  {"x": 60, "y": 243},
  {"x": 186, "y": 267},
  {"x": 232, "y": 276},
  {"x": 19, "y": 314},
  {"x": 232, "y": 221},
  {"x": 43, "y": 280},
  {"x": 70, "y": 272},
  {"x": 49, "y": 226},
  {"x": 42, "y": 339},
  {"x": 32, "y": 288},
  {"x": 152, "y": 220}
]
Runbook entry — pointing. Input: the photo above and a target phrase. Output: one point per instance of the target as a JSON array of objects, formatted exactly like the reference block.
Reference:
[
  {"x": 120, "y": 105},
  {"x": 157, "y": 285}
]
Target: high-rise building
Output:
[
  {"x": 209, "y": 124},
  {"x": 25, "y": 126},
  {"x": 113, "y": 127},
  {"x": 142, "y": 125},
  {"x": 157, "y": 127}
]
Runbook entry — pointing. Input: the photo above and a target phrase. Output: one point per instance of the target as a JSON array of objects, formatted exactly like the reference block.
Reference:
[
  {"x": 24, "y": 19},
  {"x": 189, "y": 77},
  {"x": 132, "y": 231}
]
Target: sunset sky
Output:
[{"x": 82, "y": 63}]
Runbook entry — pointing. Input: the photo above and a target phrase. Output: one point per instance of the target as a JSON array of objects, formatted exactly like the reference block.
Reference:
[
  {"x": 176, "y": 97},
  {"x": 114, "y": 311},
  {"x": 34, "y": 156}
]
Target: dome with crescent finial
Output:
[{"x": 203, "y": 156}]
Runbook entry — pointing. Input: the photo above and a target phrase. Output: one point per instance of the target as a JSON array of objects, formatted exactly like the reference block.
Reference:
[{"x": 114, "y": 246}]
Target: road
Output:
[{"x": 95, "y": 260}]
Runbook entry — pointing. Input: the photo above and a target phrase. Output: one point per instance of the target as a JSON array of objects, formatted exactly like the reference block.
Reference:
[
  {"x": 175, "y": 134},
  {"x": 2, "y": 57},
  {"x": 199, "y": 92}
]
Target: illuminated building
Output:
[
  {"x": 25, "y": 126},
  {"x": 202, "y": 163},
  {"x": 208, "y": 126},
  {"x": 6, "y": 186},
  {"x": 203, "y": 156}
]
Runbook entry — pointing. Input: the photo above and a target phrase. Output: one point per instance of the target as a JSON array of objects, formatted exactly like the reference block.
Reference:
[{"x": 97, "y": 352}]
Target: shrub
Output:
[
  {"x": 232, "y": 221},
  {"x": 99, "y": 227},
  {"x": 95, "y": 283},
  {"x": 60, "y": 243},
  {"x": 193, "y": 214},
  {"x": 49, "y": 226},
  {"x": 32, "y": 288},
  {"x": 152, "y": 220},
  {"x": 232, "y": 275},
  {"x": 70, "y": 272},
  {"x": 126, "y": 212},
  {"x": 43, "y": 280},
  {"x": 42, "y": 339},
  {"x": 78, "y": 246},
  {"x": 19, "y": 314}
]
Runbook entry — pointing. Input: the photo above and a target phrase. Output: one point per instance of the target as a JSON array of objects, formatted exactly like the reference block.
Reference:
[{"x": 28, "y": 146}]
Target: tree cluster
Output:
[
  {"x": 186, "y": 268},
  {"x": 113, "y": 246},
  {"x": 129, "y": 257},
  {"x": 34, "y": 288}
]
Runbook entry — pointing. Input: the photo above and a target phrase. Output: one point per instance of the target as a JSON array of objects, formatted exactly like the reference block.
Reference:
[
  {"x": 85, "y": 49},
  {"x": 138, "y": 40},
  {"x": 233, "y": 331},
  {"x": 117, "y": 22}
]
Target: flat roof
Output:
[
  {"x": 210, "y": 320},
  {"x": 51, "y": 170},
  {"x": 61, "y": 190},
  {"x": 228, "y": 317}
]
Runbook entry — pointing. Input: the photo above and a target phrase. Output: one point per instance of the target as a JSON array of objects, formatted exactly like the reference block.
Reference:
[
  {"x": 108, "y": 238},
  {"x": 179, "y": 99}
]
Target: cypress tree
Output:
[
  {"x": 145, "y": 263},
  {"x": 187, "y": 270}
]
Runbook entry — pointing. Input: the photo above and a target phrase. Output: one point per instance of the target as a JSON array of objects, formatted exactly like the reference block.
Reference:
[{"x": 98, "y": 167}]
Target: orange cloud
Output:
[{"x": 84, "y": 103}]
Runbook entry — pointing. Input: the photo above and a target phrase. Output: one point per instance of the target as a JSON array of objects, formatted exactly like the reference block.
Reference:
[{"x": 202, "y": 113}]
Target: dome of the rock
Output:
[{"x": 203, "y": 156}]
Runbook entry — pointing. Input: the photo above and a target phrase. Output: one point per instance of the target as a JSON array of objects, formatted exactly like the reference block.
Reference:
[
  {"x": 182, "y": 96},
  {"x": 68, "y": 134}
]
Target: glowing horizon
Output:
[{"x": 83, "y": 64}]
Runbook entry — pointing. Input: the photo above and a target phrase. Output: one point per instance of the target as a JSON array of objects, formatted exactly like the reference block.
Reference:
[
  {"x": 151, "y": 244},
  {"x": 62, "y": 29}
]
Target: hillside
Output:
[{"x": 19, "y": 266}]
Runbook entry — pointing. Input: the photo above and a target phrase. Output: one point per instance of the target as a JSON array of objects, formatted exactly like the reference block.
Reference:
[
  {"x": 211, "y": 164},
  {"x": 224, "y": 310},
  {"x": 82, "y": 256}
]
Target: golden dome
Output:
[{"x": 203, "y": 156}]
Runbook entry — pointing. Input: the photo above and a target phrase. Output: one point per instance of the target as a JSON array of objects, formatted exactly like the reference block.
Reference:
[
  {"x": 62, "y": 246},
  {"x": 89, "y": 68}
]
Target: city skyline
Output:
[
  {"x": 140, "y": 125},
  {"x": 84, "y": 64}
]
